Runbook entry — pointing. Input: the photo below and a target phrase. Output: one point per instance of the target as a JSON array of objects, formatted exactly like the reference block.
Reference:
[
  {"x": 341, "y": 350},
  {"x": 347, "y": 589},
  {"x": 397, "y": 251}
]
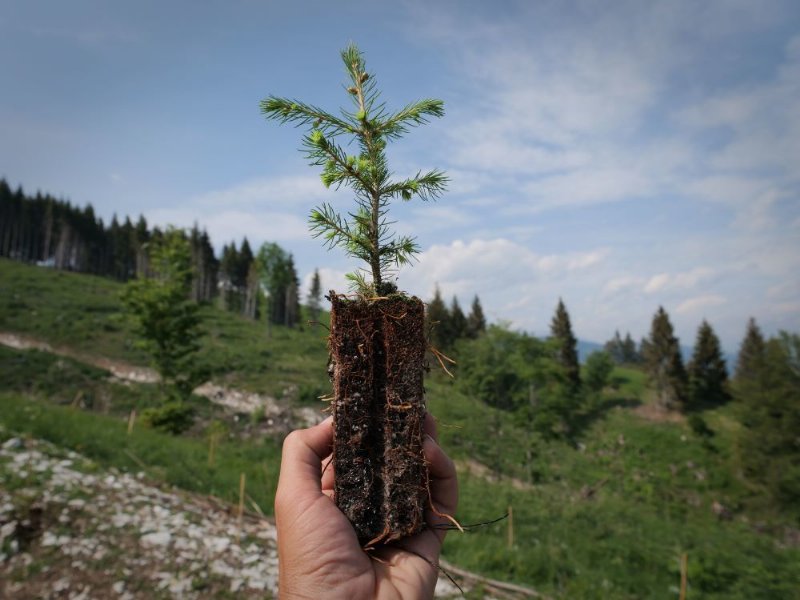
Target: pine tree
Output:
[
  {"x": 567, "y": 357},
  {"x": 629, "y": 354},
  {"x": 315, "y": 296},
  {"x": 751, "y": 353},
  {"x": 292, "y": 315},
  {"x": 770, "y": 414},
  {"x": 708, "y": 375},
  {"x": 614, "y": 348},
  {"x": 437, "y": 321},
  {"x": 476, "y": 321},
  {"x": 458, "y": 322},
  {"x": 664, "y": 362}
]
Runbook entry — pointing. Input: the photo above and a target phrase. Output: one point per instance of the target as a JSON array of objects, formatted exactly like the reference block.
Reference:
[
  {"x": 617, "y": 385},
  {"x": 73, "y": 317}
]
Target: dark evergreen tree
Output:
[
  {"x": 292, "y": 316},
  {"x": 457, "y": 324},
  {"x": 662, "y": 355},
  {"x": 629, "y": 354},
  {"x": 567, "y": 345},
  {"x": 769, "y": 445},
  {"x": 751, "y": 353},
  {"x": 476, "y": 321},
  {"x": 708, "y": 375},
  {"x": 438, "y": 320},
  {"x": 615, "y": 349},
  {"x": 315, "y": 296}
]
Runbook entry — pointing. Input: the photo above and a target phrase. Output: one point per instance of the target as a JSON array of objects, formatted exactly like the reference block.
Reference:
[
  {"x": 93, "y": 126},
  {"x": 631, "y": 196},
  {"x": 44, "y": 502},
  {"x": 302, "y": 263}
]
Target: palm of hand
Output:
[{"x": 320, "y": 553}]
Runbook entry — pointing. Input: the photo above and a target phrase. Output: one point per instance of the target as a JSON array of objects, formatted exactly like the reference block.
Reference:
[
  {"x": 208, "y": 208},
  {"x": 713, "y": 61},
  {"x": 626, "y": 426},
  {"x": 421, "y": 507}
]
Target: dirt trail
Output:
[{"x": 236, "y": 401}]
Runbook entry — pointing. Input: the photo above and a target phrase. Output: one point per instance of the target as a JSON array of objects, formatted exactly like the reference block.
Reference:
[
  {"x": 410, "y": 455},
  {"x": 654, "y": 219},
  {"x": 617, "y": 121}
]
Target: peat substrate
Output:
[{"x": 377, "y": 351}]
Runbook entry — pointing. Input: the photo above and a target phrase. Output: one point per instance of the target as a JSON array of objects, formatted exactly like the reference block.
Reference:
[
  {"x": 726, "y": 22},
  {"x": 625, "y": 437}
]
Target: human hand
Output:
[{"x": 318, "y": 552}]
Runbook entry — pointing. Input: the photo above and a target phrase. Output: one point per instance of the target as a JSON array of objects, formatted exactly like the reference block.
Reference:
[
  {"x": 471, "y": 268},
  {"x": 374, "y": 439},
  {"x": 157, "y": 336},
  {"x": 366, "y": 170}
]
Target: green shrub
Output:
[{"x": 172, "y": 417}]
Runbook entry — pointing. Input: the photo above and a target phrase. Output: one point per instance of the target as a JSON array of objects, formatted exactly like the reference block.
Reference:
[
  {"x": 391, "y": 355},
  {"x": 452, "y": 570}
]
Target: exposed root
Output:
[
  {"x": 436, "y": 511},
  {"x": 439, "y": 356}
]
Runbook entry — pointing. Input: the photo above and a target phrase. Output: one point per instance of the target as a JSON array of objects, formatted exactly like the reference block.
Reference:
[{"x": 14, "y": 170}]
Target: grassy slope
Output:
[
  {"x": 609, "y": 518},
  {"x": 82, "y": 313}
]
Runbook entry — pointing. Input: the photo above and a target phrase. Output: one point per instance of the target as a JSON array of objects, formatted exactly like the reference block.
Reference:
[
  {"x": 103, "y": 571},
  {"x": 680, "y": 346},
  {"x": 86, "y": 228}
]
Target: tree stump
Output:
[{"x": 377, "y": 349}]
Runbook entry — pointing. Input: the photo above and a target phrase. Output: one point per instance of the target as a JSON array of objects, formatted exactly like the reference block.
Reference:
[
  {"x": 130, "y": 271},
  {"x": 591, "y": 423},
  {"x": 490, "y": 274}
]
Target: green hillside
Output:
[{"x": 606, "y": 515}]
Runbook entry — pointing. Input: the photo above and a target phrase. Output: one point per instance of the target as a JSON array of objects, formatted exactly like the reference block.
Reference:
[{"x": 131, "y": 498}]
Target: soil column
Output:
[{"x": 378, "y": 355}]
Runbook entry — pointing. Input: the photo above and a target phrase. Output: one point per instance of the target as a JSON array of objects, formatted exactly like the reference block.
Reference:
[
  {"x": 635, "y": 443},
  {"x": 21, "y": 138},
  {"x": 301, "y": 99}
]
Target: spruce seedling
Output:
[
  {"x": 377, "y": 338},
  {"x": 366, "y": 232}
]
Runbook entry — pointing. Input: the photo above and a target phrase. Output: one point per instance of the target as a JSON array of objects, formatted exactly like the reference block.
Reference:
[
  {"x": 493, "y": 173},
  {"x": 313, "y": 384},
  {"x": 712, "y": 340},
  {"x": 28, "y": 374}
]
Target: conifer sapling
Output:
[{"x": 377, "y": 340}]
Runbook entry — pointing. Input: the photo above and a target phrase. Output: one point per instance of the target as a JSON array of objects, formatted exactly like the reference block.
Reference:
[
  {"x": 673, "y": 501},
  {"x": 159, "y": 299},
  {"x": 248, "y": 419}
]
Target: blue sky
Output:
[{"x": 621, "y": 155}]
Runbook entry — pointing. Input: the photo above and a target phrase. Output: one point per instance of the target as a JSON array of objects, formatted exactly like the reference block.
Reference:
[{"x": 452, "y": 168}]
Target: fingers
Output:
[
  {"x": 429, "y": 426},
  {"x": 301, "y": 462},
  {"x": 443, "y": 480}
]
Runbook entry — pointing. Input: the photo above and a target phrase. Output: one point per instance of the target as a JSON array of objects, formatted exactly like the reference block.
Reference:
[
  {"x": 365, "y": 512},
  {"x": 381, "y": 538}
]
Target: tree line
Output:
[{"x": 51, "y": 232}]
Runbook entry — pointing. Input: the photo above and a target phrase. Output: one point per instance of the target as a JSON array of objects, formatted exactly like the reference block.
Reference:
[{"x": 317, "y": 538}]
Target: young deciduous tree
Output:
[
  {"x": 377, "y": 340},
  {"x": 163, "y": 315},
  {"x": 561, "y": 331},
  {"x": 662, "y": 355},
  {"x": 708, "y": 375}
]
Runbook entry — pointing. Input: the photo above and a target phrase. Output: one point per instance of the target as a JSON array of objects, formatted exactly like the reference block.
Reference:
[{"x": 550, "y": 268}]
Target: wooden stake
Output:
[
  {"x": 241, "y": 502},
  {"x": 131, "y": 420},
  {"x": 684, "y": 574},
  {"x": 510, "y": 526}
]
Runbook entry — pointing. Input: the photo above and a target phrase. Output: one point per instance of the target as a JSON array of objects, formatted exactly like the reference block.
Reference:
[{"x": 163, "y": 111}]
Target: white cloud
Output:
[
  {"x": 672, "y": 281},
  {"x": 695, "y": 306},
  {"x": 224, "y": 225},
  {"x": 285, "y": 190},
  {"x": 330, "y": 279}
]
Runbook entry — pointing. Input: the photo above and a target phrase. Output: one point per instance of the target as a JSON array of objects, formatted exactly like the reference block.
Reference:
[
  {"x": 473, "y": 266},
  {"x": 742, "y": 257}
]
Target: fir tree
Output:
[
  {"x": 365, "y": 233},
  {"x": 561, "y": 331},
  {"x": 708, "y": 375},
  {"x": 315, "y": 296},
  {"x": 629, "y": 353},
  {"x": 476, "y": 321},
  {"x": 770, "y": 414},
  {"x": 614, "y": 348},
  {"x": 457, "y": 326},
  {"x": 664, "y": 362},
  {"x": 438, "y": 319},
  {"x": 751, "y": 353}
]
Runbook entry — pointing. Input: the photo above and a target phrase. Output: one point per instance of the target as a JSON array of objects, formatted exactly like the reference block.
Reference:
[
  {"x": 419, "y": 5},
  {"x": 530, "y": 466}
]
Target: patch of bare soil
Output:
[
  {"x": 658, "y": 414},
  {"x": 478, "y": 469},
  {"x": 70, "y": 530},
  {"x": 279, "y": 416}
]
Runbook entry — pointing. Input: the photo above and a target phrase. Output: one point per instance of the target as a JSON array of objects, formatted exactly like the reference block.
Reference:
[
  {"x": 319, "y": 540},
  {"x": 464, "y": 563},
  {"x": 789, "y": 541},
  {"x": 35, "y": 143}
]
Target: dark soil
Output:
[{"x": 378, "y": 354}]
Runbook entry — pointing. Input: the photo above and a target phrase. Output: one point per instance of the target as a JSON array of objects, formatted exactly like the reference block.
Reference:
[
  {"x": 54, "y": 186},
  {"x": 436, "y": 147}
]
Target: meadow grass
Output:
[{"x": 175, "y": 460}]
